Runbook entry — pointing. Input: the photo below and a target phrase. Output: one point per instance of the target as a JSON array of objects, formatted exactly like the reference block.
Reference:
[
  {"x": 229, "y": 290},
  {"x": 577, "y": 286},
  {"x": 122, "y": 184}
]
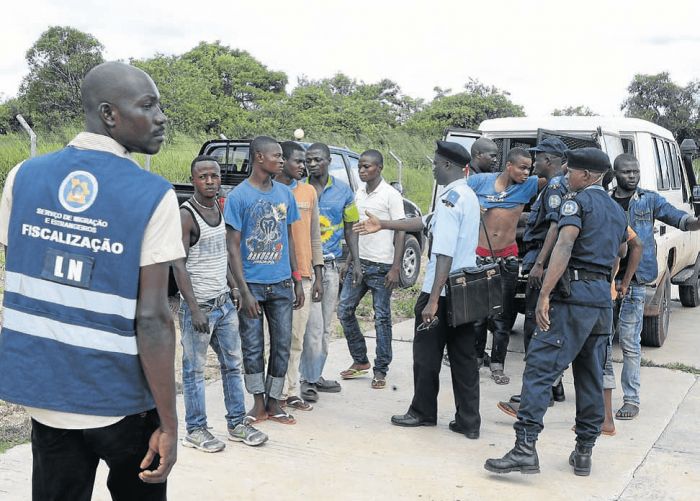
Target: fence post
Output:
[
  {"x": 398, "y": 161},
  {"x": 32, "y": 135}
]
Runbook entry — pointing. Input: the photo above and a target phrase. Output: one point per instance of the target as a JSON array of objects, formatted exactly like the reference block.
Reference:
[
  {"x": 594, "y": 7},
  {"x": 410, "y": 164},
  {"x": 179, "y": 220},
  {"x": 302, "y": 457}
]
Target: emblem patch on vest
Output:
[
  {"x": 554, "y": 201},
  {"x": 78, "y": 191},
  {"x": 569, "y": 208},
  {"x": 68, "y": 268}
]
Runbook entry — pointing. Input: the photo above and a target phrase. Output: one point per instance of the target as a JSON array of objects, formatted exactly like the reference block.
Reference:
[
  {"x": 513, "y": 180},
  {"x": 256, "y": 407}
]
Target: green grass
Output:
[
  {"x": 676, "y": 366},
  {"x": 173, "y": 161}
]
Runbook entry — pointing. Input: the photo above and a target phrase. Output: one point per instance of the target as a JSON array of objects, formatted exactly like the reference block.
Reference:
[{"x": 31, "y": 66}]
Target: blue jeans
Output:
[
  {"x": 226, "y": 343},
  {"x": 373, "y": 275},
  {"x": 277, "y": 303},
  {"x": 318, "y": 327},
  {"x": 630, "y": 331}
]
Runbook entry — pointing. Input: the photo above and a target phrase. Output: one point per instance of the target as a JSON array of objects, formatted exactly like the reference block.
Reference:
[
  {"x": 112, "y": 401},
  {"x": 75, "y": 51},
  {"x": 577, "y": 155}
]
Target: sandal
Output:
[
  {"x": 378, "y": 382},
  {"x": 327, "y": 386},
  {"x": 298, "y": 403},
  {"x": 308, "y": 392},
  {"x": 353, "y": 373},
  {"x": 499, "y": 377},
  {"x": 282, "y": 418},
  {"x": 626, "y": 412}
]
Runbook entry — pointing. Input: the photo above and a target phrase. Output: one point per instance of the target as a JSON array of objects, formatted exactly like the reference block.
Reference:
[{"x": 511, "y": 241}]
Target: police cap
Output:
[
  {"x": 591, "y": 159},
  {"x": 551, "y": 145},
  {"x": 454, "y": 152}
]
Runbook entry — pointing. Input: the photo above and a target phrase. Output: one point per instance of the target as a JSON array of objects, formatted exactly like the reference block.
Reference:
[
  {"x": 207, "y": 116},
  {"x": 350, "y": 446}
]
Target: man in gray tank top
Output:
[{"x": 208, "y": 315}]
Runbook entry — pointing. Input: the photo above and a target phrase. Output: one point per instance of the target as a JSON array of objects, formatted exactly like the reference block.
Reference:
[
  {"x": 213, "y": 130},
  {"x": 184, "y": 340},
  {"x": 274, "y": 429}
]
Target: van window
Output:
[
  {"x": 681, "y": 171},
  {"x": 674, "y": 167},
  {"x": 337, "y": 168},
  {"x": 628, "y": 146},
  {"x": 662, "y": 182}
]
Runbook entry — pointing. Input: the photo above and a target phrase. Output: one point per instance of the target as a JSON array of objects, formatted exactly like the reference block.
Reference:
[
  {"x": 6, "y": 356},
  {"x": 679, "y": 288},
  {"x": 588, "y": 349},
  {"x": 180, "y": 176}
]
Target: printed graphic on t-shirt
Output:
[{"x": 265, "y": 232}]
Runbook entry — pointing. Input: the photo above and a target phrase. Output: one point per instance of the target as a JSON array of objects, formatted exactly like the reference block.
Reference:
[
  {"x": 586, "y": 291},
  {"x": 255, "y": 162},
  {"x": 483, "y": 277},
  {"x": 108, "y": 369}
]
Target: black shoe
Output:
[
  {"x": 580, "y": 459},
  {"x": 514, "y": 399},
  {"x": 558, "y": 392},
  {"x": 522, "y": 458},
  {"x": 409, "y": 420},
  {"x": 473, "y": 435}
]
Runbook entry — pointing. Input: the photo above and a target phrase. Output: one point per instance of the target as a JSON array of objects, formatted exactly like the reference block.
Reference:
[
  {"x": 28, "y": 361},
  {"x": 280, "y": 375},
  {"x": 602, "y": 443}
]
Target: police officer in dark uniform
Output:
[
  {"x": 592, "y": 234},
  {"x": 539, "y": 238}
]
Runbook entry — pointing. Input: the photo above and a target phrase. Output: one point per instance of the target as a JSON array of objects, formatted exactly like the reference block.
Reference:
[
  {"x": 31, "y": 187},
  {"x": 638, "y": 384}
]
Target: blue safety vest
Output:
[{"x": 68, "y": 340}]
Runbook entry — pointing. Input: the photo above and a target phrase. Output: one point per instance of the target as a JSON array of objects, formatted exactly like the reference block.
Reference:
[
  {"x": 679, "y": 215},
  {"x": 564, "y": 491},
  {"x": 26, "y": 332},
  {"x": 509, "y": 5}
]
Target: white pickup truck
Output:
[{"x": 664, "y": 168}]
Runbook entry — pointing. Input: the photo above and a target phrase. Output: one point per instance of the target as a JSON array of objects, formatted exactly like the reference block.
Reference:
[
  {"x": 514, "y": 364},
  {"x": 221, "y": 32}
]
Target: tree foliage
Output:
[
  {"x": 58, "y": 61},
  {"x": 658, "y": 99},
  {"x": 466, "y": 109},
  {"x": 574, "y": 111}
]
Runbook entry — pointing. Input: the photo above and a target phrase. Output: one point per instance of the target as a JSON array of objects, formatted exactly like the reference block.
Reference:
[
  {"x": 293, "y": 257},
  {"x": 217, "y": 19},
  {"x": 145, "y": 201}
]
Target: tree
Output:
[
  {"x": 237, "y": 75},
  {"x": 466, "y": 109},
  {"x": 58, "y": 61},
  {"x": 658, "y": 99},
  {"x": 573, "y": 111}
]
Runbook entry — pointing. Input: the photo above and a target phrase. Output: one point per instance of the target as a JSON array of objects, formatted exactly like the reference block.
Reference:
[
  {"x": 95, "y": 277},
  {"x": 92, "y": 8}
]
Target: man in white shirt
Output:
[{"x": 380, "y": 258}]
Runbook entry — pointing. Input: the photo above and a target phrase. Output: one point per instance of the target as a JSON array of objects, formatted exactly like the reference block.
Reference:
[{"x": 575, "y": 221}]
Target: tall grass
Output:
[{"x": 173, "y": 161}]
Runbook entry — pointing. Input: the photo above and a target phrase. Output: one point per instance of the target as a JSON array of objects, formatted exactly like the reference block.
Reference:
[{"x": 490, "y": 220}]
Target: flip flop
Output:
[
  {"x": 282, "y": 418},
  {"x": 378, "y": 384},
  {"x": 298, "y": 403},
  {"x": 252, "y": 419},
  {"x": 499, "y": 377},
  {"x": 627, "y": 412},
  {"x": 602, "y": 432},
  {"x": 353, "y": 373}
]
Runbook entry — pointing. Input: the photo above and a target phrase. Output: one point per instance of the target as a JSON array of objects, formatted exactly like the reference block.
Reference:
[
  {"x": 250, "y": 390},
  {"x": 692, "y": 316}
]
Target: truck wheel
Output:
[
  {"x": 655, "y": 329},
  {"x": 690, "y": 294},
  {"x": 410, "y": 264}
]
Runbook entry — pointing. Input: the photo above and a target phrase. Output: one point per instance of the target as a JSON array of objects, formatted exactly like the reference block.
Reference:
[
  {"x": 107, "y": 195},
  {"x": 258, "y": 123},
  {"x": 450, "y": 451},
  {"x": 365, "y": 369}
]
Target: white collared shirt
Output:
[{"x": 385, "y": 202}]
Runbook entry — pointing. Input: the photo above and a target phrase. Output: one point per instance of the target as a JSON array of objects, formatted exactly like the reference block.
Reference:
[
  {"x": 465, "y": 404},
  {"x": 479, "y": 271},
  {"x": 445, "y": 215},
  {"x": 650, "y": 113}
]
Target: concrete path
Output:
[{"x": 346, "y": 449}]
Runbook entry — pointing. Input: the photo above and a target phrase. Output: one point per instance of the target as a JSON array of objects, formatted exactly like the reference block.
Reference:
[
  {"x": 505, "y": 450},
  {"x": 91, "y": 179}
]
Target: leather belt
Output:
[
  {"x": 579, "y": 274},
  {"x": 216, "y": 302}
]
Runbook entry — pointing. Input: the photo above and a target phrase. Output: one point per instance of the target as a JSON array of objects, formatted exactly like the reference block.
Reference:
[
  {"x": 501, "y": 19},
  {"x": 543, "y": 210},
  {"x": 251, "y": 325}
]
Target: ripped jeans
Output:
[{"x": 226, "y": 342}]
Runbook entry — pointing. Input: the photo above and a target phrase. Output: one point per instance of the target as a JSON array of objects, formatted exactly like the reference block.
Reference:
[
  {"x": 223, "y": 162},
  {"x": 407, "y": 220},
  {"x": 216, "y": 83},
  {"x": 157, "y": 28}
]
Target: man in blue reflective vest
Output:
[
  {"x": 88, "y": 341},
  {"x": 575, "y": 329}
]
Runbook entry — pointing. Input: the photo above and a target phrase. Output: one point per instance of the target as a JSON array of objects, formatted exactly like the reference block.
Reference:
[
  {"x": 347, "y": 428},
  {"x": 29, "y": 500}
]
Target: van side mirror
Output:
[
  {"x": 397, "y": 186},
  {"x": 696, "y": 200},
  {"x": 689, "y": 147}
]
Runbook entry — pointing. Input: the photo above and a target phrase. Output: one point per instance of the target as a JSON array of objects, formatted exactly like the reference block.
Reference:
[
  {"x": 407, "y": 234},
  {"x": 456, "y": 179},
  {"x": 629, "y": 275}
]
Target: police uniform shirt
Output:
[
  {"x": 545, "y": 210},
  {"x": 455, "y": 230},
  {"x": 603, "y": 227},
  {"x": 162, "y": 242}
]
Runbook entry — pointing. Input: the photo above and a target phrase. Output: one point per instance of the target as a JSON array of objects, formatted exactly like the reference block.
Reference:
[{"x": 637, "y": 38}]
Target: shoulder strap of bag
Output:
[{"x": 486, "y": 232}]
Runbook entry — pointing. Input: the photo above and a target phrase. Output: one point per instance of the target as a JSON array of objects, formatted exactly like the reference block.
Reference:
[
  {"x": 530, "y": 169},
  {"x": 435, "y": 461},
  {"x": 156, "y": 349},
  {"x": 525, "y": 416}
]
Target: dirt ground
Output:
[{"x": 15, "y": 427}]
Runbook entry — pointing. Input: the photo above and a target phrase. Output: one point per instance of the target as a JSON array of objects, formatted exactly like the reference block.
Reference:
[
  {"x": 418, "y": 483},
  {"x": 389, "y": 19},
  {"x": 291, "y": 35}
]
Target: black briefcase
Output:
[{"x": 473, "y": 294}]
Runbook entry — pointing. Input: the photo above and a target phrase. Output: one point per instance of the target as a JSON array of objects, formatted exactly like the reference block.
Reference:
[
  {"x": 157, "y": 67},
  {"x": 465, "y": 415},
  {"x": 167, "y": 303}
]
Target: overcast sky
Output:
[{"x": 547, "y": 54}]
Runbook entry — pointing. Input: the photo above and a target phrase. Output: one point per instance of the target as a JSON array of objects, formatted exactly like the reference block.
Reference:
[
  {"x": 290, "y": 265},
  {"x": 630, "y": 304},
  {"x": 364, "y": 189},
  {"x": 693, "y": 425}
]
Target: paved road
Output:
[{"x": 345, "y": 449}]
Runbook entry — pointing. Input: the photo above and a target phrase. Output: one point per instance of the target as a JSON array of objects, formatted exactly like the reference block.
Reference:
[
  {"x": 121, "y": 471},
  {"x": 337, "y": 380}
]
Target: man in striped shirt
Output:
[{"x": 207, "y": 313}]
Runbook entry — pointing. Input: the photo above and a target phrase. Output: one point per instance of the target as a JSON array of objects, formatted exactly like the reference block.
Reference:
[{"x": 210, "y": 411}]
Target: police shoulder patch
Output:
[
  {"x": 451, "y": 198},
  {"x": 554, "y": 201},
  {"x": 569, "y": 208}
]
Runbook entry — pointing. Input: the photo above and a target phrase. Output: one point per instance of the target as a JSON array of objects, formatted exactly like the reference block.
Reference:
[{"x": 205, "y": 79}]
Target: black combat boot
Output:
[
  {"x": 580, "y": 459},
  {"x": 522, "y": 458}
]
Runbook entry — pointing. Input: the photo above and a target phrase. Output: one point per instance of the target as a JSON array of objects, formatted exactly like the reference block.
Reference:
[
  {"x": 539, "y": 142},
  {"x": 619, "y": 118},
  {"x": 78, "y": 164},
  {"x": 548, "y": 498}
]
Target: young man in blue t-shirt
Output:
[
  {"x": 502, "y": 197},
  {"x": 258, "y": 214}
]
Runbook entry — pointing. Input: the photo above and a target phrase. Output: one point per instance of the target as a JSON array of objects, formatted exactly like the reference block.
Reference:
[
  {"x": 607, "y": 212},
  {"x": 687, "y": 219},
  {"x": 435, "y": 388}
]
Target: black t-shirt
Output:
[{"x": 625, "y": 204}]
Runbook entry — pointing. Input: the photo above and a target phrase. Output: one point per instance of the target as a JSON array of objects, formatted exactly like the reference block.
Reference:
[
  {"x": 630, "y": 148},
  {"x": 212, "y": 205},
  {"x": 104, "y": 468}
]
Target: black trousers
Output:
[
  {"x": 500, "y": 325},
  {"x": 65, "y": 461},
  {"x": 428, "y": 347},
  {"x": 530, "y": 324}
]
